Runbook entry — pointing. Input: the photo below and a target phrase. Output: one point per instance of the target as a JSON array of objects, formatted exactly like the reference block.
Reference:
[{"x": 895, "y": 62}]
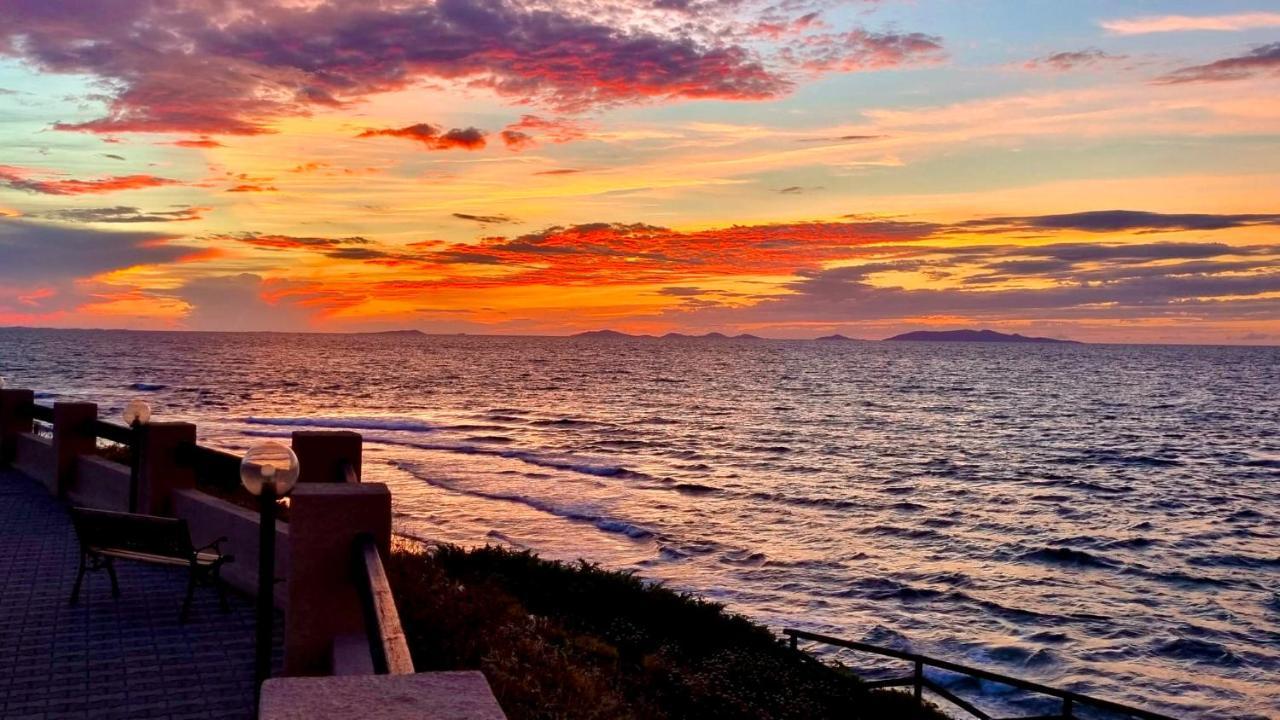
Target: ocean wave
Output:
[
  {"x": 146, "y": 387},
  {"x": 568, "y": 463},
  {"x": 347, "y": 423},
  {"x": 1195, "y": 650},
  {"x": 600, "y": 521},
  {"x": 1068, "y": 556}
]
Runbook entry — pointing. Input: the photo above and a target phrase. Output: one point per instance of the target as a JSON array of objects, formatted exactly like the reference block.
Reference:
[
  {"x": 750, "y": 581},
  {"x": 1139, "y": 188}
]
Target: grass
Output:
[{"x": 562, "y": 641}]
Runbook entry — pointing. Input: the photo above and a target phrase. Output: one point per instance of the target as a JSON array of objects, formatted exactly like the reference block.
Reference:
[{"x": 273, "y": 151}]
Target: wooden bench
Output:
[{"x": 105, "y": 536}]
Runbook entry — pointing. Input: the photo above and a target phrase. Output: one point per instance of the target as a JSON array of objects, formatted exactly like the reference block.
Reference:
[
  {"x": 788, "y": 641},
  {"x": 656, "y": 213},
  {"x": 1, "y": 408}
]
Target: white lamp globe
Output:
[
  {"x": 137, "y": 411},
  {"x": 269, "y": 463}
]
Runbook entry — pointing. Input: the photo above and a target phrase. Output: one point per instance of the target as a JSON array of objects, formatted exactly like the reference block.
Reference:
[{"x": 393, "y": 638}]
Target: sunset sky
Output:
[{"x": 1105, "y": 171}]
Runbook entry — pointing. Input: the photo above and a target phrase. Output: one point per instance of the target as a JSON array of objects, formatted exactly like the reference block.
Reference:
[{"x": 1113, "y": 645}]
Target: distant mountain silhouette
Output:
[
  {"x": 614, "y": 334},
  {"x": 971, "y": 336},
  {"x": 393, "y": 332},
  {"x": 605, "y": 334},
  {"x": 838, "y": 338}
]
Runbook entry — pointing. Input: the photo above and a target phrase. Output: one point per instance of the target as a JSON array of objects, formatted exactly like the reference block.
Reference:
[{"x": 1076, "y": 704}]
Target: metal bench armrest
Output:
[{"x": 212, "y": 546}]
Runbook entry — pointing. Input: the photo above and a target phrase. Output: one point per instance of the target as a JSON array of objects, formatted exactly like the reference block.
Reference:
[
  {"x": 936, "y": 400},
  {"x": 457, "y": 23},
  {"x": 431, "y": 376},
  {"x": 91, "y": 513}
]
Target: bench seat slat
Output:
[{"x": 202, "y": 558}]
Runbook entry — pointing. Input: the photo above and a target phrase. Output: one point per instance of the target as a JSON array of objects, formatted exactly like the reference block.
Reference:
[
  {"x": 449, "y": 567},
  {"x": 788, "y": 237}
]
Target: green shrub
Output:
[{"x": 576, "y": 642}]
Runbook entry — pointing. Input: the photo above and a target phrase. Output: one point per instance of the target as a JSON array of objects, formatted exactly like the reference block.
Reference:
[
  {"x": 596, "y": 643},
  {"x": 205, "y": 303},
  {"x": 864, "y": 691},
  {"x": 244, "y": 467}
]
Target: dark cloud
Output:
[
  {"x": 125, "y": 214},
  {"x": 486, "y": 219},
  {"x": 227, "y": 67},
  {"x": 113, "y": 156},
  {"x": 1067, "y": 61},
  {"x": 559, "y": 171},
  {"x": 357, "y": 253},
  {"x": 1262, "y": 60},
  {"x": 843, "y": 138},
  {"x": 290, "y": 242},
  {"x": 44, "y": 253},
  {"x": 244, "y": 302},
  {"x": 1105, "y": 221},
  {"x": 1111, "y": 280},
  {"x": 797, "y": 189},
  {"x": 860, "y": 50},
  {"x": 433, "y": 137}
]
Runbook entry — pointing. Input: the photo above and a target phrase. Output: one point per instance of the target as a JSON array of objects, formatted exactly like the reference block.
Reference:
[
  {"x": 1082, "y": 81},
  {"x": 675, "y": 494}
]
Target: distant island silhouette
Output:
[
  {"x": 838, "y": 338},
  {"x": 972, "y": 336},
  {"x": 614, "y": 334}
]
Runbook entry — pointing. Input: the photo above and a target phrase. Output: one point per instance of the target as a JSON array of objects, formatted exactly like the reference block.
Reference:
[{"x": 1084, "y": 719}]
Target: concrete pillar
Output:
[
  {"x": 73, "y": 436},
  {"x": 161, "y": 469},
  {"x": 15, "y": 419},
  {"x": 322, "y": 454},
  {"x": 323, "y": 605}
]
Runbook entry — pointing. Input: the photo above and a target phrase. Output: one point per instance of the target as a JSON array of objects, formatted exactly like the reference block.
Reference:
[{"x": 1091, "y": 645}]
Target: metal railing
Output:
[
  {"x": 919, "y": 682},
  {"x": 387, "y": 644}
]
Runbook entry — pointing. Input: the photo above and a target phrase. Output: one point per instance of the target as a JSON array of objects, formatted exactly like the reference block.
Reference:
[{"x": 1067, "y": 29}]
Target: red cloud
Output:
[
  {"x": 203, "y": 142},
  {"x": 229, "y": 68},
  {"x": 777, "y": 29},
  {"x": 613, "y": 252},
  {"x": 559, "y": 130},
  {"x": 18, "y": 179},
  {"x": 430, "y": 136},
  {"x": 251, "y": 188},
  {"x": 517, "y": 140}
]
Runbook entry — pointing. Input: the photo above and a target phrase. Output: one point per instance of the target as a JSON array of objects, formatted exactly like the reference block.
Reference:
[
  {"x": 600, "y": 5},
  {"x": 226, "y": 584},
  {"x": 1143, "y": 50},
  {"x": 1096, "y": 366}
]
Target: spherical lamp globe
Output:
[
  {"x": 137, "y": 412},
  {"x": 269, "y": 463}
]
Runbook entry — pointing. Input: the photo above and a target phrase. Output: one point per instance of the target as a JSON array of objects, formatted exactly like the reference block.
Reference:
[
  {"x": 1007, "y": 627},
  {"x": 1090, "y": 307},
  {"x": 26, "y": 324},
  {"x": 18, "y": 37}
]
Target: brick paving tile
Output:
[{"x": 109, "y": 658}]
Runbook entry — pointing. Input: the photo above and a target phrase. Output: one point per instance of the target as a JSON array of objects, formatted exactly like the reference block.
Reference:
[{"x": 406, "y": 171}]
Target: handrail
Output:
[
  {"x": 212, "y": 467},
  {"x": 114, "y": 432},
  {"x": 918, "y": 681},
  {"x": 387, "y": 644}
]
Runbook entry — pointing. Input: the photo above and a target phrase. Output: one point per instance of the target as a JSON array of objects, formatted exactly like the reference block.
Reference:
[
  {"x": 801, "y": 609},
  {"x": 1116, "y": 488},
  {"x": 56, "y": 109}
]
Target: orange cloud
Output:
[
  {"x": 20, "y": 179},
  {"x": 431, "y": 136}
]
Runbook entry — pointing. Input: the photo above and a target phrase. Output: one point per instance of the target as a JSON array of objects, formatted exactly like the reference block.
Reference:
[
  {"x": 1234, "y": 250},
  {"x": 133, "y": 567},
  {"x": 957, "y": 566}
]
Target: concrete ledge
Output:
[
  {"x": 211, "y": 518},
  {"x": 424, "y": 696},
  {"x": 100, "y": 483},
  {"x": 33, "y": 457}
]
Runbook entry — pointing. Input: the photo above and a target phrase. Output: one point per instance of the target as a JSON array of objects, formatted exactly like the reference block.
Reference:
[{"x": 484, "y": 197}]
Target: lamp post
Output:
[
  {"x": 269, "y": 471},
  {"x": 136, "y": 414}
]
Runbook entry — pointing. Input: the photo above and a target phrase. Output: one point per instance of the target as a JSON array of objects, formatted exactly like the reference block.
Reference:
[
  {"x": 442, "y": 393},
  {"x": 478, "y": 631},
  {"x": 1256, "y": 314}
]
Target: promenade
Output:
[{"x": 108, "y": 658}]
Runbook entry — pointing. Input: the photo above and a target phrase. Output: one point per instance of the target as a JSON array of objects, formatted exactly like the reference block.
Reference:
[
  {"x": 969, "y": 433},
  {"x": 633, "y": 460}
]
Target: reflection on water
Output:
[{"x": 1100, "y": 517}]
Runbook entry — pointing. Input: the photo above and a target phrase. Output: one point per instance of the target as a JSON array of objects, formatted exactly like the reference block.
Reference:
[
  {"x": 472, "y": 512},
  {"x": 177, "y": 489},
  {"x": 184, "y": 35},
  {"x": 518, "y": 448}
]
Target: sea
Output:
[{"x": 1104, "y": 518}]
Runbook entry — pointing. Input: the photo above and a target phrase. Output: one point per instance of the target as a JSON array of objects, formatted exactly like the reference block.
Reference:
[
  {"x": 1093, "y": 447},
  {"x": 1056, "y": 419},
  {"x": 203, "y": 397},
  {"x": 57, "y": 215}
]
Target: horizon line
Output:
[{"x": 424, "y": 333}]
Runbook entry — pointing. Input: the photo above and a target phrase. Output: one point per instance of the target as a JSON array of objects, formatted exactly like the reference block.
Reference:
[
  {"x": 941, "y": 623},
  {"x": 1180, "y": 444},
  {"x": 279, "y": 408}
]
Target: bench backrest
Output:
[{"x": 148, "y": 534}]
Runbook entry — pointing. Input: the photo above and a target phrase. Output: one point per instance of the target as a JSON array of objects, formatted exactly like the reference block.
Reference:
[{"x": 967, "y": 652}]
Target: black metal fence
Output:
[{"x": 919, "y": 682}]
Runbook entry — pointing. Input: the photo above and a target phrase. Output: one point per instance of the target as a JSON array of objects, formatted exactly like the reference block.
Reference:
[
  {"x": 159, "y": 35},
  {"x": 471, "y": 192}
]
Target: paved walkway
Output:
[{"x": 126, "y": 658}]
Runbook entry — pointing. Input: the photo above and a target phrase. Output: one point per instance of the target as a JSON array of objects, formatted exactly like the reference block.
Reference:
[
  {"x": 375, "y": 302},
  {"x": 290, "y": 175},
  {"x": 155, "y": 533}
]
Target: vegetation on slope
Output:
[{"x": 576, "y": 642}]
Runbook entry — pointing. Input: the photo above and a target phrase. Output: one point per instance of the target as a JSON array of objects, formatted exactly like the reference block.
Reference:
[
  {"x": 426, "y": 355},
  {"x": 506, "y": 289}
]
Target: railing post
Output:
[
  {"x": 73, "y": 436},
  {"x": 161, "y": 466},
  {"x": 918, "y": 676},
  {"x": 795, "y": 644},
  {"x": 322, "y": 454},
  {"x": 15, "y": 419},
  {"x": 323, "y": 601},
  {"x": 1068, "y": 709}
]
